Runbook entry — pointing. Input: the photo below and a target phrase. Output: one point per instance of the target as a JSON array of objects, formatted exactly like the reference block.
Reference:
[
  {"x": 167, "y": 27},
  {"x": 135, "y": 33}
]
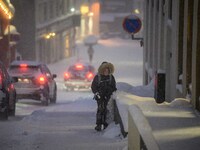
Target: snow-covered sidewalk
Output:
[{"x": 174, "y": 125}]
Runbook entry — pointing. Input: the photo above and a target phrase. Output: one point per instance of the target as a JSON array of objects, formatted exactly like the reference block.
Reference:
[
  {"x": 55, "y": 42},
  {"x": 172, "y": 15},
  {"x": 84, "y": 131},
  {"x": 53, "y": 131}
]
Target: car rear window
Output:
[
  {"x": 74, "y": 69},
  {"x": 23, "y": 70}
]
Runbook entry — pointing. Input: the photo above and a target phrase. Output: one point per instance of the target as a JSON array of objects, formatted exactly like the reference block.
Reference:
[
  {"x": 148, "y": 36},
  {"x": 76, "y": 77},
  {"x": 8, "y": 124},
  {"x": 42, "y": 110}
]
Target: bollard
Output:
[{"x": 159, "y": 92}]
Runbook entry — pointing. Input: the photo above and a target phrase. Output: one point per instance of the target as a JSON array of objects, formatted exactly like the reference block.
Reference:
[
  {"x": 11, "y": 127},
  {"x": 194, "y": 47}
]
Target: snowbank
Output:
[
  {"x": 145, "y": 91},
  {"x": 180, "y": 103},
  {"x": 113, "y": 131}
]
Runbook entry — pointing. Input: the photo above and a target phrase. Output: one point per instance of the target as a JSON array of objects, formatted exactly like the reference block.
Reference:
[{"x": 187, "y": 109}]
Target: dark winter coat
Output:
[{"x": 104, "y": 85}]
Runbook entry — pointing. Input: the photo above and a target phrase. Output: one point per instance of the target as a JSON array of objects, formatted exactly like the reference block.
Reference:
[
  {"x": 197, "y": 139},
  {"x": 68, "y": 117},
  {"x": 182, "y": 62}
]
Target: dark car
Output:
[
  {"x": 35, "y": 81},
  {"x": 79, "y": 75},
  {"x": 7, "y": 94}
]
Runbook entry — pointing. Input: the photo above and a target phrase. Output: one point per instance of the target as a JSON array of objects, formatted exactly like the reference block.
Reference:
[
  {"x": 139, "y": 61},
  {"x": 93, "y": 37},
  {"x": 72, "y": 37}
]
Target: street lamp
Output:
[
  {"x": 72, "y": 9},
  {"x": 84, "y": 9},
  {"x": 137, "y": 11},
  {"x": 6, "y": 12},
  {"x": 49, "y": 35},
  {"x": 91, "y": 14}
]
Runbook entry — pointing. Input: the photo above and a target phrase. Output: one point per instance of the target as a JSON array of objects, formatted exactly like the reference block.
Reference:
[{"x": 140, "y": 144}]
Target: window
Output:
[
  {"x": 61, "y": 7},
  {"x": 51, "y": 11},
  {"x": 40, "y": 15},
  {"x": 170, "y": 10},
  {"x": 152, "y": 3},
  {"x": 45, "y": 10},
  {"x": 46, "y": 71},
  {"x": 157, "y": 5},
  {"x": 24, "y": 70},
  {"x": 163, "y": 7},
  {"x": 67, "y": 4},
  {"x": 72, "y": 4}
]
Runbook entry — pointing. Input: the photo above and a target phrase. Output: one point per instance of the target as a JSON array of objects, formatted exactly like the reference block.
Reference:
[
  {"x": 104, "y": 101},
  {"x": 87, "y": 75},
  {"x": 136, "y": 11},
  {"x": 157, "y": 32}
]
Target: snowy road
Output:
[{"x": 69, "y": 124}]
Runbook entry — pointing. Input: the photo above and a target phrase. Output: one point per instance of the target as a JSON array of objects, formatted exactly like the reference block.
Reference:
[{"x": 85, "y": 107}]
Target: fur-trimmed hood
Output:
[{"x": 104, "y": 65}]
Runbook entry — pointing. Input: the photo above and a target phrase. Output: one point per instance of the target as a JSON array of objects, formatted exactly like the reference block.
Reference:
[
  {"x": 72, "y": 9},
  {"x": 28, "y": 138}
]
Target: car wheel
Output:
[
  {"x": 4, "y": 114},
  {"x": 45, "y": 101},
  {"x": 13, "y": 109},
  {"x": 46, "y": 98},
  {"x": 53, "y": 100},
  {"x": 5, "y": 104}
]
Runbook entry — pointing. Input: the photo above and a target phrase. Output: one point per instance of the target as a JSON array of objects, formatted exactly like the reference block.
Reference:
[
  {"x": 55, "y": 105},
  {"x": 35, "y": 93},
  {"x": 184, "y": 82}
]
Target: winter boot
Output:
[
  {"x": 105, "y": 125},
  {"x": 98, "y": 127}
]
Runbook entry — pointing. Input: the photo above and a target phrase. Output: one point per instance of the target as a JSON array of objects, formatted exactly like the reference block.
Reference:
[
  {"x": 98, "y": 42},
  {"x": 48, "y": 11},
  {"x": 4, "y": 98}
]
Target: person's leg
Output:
[
  {"x": 105, "y": 124},
  {"x": 110, "y": 111},
  {"x": 90, "y": 57},
  {"x": 98, "y": 116}
]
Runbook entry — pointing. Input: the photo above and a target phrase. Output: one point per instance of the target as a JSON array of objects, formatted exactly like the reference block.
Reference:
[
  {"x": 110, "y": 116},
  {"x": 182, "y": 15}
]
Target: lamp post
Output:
[{"x": 9, "y": 40}]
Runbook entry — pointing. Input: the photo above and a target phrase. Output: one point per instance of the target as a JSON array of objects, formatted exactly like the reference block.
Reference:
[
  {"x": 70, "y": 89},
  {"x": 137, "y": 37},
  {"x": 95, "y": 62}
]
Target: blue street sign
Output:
[{"x": 132, "y": 24}]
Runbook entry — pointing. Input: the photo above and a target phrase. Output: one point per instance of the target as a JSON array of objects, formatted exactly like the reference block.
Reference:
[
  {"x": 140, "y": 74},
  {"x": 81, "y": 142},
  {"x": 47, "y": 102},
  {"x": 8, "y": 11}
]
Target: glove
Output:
[{"x": 97, "y": 96}]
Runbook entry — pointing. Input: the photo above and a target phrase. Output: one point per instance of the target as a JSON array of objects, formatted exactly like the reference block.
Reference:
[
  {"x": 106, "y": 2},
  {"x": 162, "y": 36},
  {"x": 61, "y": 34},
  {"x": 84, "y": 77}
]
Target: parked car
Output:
[
  {"x": 79, "y": 75},
  {"x": 7, "y": 94},
  {"x": 35, "y": 81}
]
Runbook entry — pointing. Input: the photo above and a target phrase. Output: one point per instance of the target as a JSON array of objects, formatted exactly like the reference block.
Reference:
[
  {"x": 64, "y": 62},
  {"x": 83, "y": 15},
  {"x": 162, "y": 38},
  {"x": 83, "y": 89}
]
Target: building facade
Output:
[
  {"x": 112, "y": 15},
  {"x": 8, "y": 33},
  {"x": 47, "y": 29},
  {"x": 171, "y": 35},
  {"x": 90, "y": 13}
]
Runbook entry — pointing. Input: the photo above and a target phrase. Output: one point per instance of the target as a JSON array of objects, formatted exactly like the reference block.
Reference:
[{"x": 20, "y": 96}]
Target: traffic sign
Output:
[{"x": 132, "y": 24}]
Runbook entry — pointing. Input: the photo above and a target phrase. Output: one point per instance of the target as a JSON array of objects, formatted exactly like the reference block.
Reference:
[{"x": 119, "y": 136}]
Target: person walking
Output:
[
  {"x": 103, "y": 85},
  {"x": 90, "y": 53}
]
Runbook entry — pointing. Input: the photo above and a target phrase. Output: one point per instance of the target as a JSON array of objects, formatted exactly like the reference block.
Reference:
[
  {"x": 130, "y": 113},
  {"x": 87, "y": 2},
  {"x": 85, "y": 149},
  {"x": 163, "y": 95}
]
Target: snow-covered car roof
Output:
[
  {"x": 79, "y": 62},
  {"x": 85, "y": 64}
]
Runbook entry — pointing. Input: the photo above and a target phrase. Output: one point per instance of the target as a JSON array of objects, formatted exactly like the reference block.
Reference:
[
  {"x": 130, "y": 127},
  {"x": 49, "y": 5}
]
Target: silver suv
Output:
[{"x": 35, "y": 81}]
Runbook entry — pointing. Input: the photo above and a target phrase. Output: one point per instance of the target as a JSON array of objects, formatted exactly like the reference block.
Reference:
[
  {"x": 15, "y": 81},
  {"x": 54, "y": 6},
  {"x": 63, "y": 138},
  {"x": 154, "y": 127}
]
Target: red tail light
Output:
[
  {"x": 67, "y": 75},
  {"x": 89, "y": 75},
  {"x": 79, "y": 66},
  {"x": 23, "y": 65},
  {"x": 1, "y": 81},
  {"x": 11, "y": 87},
  {"x": 42, "y": 80}
]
